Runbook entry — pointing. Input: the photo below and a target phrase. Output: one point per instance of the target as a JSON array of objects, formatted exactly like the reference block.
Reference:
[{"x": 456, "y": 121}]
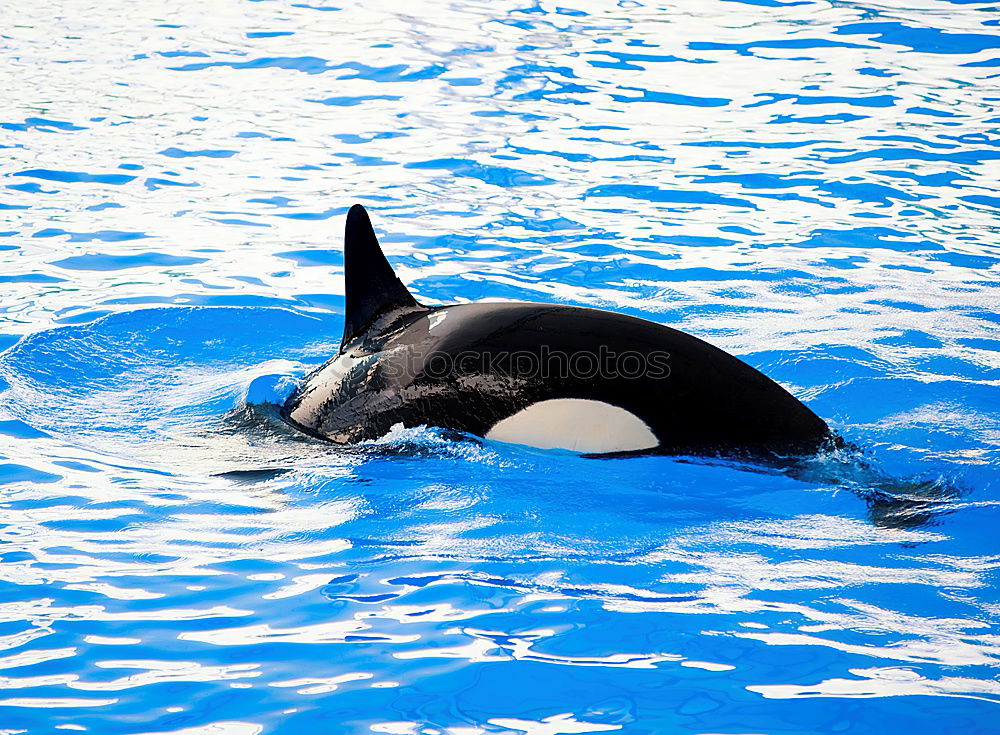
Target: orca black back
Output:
[{"x": 553, "y": 376}]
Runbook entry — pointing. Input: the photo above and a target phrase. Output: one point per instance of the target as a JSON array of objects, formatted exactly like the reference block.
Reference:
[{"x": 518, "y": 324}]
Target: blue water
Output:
[{"x": 810, "y": 185}]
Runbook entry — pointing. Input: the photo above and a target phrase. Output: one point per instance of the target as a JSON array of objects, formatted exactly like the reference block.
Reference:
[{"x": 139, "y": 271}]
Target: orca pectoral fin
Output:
[{"x": 370, "y": 285}]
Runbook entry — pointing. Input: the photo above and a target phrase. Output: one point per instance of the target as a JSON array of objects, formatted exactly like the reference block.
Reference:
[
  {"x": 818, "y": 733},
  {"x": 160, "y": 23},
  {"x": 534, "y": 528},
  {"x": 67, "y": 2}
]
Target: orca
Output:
[{"x": 544, "y": 375}]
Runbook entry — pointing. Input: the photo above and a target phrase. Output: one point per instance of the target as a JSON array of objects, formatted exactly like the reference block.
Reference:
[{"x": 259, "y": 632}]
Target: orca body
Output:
[{"x": 544, "y": 375}]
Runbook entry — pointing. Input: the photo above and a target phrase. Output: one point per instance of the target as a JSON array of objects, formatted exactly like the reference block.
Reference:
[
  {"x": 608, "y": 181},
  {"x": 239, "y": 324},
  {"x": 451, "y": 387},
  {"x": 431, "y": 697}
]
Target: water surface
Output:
[{"x": 810, "y": 185}]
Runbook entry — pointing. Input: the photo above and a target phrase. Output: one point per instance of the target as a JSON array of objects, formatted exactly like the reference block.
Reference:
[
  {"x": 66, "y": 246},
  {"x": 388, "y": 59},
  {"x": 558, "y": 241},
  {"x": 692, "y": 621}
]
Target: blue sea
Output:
[{"x": 811, "y": 185}]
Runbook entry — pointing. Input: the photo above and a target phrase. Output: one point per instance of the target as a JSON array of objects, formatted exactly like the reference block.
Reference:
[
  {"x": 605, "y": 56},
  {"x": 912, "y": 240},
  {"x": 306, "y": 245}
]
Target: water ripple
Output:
[{"x": 811, "y": 186}]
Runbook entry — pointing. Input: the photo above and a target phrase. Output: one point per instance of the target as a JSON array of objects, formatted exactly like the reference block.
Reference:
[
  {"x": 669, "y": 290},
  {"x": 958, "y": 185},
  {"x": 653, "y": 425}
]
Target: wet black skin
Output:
[
  {"x": 467, "y": 367},
  {"x": 694, "y": 397}
]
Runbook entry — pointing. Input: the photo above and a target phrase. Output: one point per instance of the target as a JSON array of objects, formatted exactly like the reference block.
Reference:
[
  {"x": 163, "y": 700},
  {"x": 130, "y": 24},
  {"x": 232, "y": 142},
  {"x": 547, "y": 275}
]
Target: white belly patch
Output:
[{"x": 576, "y": 424}]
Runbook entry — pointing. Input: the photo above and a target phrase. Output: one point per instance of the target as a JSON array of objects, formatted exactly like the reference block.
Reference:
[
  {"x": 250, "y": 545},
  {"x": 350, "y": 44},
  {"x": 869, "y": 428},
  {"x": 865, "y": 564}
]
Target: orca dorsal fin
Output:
[{"x": 371, "y": 287}]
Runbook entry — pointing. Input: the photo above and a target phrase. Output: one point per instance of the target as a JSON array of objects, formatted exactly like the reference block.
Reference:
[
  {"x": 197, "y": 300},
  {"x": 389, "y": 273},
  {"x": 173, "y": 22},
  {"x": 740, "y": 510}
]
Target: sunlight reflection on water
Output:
[{"x": 809, "y": 185}]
